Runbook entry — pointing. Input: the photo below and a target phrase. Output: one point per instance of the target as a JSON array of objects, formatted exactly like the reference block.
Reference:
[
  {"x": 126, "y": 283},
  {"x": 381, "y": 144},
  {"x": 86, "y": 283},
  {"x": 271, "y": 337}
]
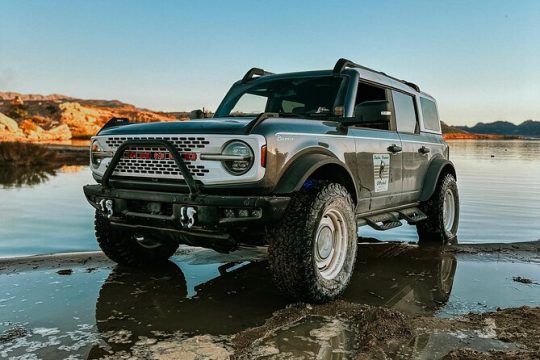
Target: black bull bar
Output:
[{"x": 177, "y": 157}]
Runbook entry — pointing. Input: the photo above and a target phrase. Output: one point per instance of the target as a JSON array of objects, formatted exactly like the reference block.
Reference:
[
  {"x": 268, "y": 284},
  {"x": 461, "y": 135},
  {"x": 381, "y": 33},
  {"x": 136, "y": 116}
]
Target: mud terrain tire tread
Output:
[
  {"x": 123, "y": 249},
  {"x": 292, "y": 243},
  {"x": 432, "y": 230}
]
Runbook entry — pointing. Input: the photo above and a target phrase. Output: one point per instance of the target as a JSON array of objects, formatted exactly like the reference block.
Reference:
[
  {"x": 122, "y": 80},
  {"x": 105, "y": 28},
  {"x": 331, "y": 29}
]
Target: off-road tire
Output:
[
  {"x": 122, "y": 248},
  {"x": 292, "y": 244},
  {"x": 432, "y": 230}
]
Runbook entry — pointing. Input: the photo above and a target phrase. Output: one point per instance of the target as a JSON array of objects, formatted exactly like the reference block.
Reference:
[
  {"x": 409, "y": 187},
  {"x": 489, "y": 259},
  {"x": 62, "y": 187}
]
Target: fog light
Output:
[
  {"x": 229, "y": 213},
  {"x": 243, "y": 213},
  {"x": 256, "y": 213}
]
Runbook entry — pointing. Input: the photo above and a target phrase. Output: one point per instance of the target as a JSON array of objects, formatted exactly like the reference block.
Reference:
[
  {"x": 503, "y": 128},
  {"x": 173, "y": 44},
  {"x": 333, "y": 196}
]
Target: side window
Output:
[
  {"x": 250, "y": 104},
  {"x": 430, "y": 115},
  {"x": 372, "y": 107},
  {"x": 406, "y": 119},
  {"x": 289, "y": 106}
]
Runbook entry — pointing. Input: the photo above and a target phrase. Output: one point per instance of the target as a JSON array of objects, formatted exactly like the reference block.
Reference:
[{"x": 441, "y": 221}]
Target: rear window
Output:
[
  {"x": 406, "y": 119},
  {"x": 430, "y": 115}
]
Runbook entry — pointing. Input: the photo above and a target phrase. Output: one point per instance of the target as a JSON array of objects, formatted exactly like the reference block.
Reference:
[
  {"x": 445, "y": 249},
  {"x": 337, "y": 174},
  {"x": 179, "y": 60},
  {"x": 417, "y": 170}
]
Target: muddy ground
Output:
[{"x": 469, "y": 302}]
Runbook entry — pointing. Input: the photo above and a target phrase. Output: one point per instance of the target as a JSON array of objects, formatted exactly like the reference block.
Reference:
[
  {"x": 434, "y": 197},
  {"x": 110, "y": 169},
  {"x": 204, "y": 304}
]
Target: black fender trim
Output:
[
  {"x": 437, "y": 166},
  {"x": 302, "y": 168}
]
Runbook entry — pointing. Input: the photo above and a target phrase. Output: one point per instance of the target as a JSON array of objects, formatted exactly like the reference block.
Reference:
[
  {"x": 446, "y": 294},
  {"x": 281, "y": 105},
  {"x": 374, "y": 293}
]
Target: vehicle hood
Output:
[{"x": 235, "y": 126}]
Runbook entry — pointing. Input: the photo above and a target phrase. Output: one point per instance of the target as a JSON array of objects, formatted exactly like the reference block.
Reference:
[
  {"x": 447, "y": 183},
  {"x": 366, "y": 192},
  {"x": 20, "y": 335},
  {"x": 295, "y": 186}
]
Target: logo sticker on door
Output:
[{"x": 381, "y": 171}]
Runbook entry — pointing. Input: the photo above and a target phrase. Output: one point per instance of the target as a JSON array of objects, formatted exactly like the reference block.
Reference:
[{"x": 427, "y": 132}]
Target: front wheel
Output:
[
  {"x": 442, "y": 210},
  {"x": 313, "y": 250},
  {"x": 131, "y": 249}
]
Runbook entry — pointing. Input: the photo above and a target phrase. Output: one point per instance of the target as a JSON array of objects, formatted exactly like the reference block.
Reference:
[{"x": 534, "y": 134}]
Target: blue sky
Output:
[{"x": 480, "y": 59}]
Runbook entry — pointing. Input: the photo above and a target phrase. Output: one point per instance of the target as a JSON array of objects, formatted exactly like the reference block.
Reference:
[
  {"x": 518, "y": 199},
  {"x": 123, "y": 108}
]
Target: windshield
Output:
[{"x": 303, "y": 97}]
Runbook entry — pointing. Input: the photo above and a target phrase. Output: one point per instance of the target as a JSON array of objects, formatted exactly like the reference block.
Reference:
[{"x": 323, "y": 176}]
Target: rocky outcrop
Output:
[
  {"x": 81, "y": 120},
  {"x": 8, "y": 124},
  {"x": 86, "y": 120},
  {"x": 58, "y": 117},
  {"x": 35, "y": 132},
  {"x": 28, "y": 130},
  {"x": 9, "y": 129}
]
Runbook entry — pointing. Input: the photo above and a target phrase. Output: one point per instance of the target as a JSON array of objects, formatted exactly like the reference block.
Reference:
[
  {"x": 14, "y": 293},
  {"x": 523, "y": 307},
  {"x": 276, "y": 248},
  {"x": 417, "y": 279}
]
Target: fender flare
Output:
[
  {"x": 296, "y": 174},
  {"x": 431, "y": 179}
]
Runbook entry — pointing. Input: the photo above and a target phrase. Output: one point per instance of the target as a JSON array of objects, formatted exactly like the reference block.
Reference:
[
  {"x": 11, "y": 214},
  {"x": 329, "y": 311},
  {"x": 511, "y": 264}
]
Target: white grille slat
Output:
[
  {"x": 209, "y": 172},
  {"x": 140, "y": 166}
]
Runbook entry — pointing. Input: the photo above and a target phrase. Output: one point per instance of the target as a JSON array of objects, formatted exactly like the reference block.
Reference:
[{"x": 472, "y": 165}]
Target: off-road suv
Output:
[{"x": 295, "y": 161}]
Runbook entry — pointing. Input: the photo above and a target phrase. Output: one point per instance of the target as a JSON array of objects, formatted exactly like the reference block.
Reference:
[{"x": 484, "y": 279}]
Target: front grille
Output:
[
  {"x": 182, "y": 143},
  {"x": 153, "y": 162},
  {"x": 160, "y": 163}
]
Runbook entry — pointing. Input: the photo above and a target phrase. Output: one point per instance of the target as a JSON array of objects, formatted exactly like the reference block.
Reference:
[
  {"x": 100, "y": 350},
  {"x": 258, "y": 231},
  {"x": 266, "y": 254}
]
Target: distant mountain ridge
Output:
[
  {"x": 529, "y": 128},
  {"x": 10, "y": 95}
]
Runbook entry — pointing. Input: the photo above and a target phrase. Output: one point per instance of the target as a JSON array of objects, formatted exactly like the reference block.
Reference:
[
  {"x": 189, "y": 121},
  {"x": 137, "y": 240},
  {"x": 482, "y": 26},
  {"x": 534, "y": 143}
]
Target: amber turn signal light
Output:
[{"x": 263, "y": 156}]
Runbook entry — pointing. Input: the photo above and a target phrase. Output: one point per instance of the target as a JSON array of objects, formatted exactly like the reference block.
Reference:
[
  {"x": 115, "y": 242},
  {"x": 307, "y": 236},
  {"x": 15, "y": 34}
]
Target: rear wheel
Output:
[
  {"x": 129, "y": 248},
  {"x": 313, "y": 250},
  {"x": 442, "y": 210}
]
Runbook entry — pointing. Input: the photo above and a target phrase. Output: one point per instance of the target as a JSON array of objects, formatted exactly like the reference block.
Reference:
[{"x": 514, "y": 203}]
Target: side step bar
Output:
[
  {"x": 390, "y": 220},
  {"x": 412, "y": 215},
  {"x": 383, "y": 221}
]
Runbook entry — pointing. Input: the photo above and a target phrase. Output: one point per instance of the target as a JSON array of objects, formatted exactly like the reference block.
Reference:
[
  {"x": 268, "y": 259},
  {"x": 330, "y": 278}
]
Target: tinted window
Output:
[
  {"x": 430, "y": 115},
  {"x": 372, "y": 108},
  {"x": 405, "y": 112},
  {"x": 292, "y": 106}
]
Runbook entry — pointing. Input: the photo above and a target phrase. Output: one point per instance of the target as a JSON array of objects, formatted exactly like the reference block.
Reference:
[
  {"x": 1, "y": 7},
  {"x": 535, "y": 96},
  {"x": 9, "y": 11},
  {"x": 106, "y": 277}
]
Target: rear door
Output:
[
  {"x": 378, "y": 153},
  {"x": 416, "y": 150}
]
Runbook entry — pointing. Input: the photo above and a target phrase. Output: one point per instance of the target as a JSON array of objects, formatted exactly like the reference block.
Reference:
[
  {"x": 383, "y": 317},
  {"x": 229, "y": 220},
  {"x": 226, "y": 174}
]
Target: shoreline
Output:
[
  {"x": 83, "y": 257},
  {"x": 400, "y": 306}
]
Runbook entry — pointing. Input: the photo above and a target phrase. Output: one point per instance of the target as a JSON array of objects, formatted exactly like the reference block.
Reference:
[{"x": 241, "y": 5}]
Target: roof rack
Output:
[
  {"x": 254, "y": 71},
  {"x": 342, "y": 64}
]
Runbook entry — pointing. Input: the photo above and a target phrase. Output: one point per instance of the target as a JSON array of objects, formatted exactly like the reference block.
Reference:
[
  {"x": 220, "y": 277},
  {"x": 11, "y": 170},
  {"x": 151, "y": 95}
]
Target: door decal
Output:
[{"x": 381, "y": 171}]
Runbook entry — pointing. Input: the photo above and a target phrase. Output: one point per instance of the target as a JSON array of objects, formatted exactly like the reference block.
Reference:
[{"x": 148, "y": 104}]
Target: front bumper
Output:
[{"x": 164, "y": 210}]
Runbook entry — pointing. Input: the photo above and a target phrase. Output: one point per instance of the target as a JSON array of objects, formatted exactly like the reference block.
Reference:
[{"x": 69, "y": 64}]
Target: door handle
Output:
[
  {"x": 394, "y": 148},
  {"x": 424, "y": 150}
]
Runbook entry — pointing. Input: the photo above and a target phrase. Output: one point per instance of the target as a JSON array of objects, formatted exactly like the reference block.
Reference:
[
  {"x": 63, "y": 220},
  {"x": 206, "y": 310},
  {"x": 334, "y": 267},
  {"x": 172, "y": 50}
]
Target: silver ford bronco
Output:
[{"x": 294, "y": 161}]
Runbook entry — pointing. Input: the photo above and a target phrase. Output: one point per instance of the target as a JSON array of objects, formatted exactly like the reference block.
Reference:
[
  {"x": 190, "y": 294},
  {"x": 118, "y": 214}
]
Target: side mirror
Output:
[{"x": 196, "y": 114}]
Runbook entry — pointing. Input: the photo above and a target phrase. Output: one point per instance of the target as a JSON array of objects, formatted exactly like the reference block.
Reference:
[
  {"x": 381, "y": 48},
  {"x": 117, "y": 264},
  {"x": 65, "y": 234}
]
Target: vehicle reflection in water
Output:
[
  {"x": 148, "y": 302},
  {"x": 414, "y": 280}
]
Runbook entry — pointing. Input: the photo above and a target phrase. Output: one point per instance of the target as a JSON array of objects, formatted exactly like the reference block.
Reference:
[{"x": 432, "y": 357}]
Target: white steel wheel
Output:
[
  {"x": 449, "y": 210},
  {"x": 331, "y": 244},
  {"x": 313, "y": 250}
]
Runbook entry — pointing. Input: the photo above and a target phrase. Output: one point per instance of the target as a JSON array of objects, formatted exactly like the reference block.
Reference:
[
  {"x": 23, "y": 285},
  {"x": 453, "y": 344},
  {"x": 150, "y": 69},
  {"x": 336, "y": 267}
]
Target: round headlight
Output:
[
  {"x": 241, "y": 157},
  {"x": 96, "y": 154}
]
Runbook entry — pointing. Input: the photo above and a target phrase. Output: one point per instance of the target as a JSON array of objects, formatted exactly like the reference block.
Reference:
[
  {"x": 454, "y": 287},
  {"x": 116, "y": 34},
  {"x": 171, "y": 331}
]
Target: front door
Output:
[{"x": 378, "y": 149}]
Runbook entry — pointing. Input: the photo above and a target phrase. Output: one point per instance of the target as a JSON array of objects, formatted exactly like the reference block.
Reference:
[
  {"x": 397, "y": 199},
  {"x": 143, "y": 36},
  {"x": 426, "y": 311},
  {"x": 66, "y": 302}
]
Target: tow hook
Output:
[
  {"x": 107, "y": 207},
  {"x": 187, "y": 216}
]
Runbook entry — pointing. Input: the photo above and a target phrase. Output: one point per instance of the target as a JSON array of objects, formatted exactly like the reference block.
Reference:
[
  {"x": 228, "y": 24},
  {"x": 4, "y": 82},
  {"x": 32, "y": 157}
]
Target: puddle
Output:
[
  {"x": 205, "y": 298},
  {"x": 312, "y": 338},
  {"x": 438, "y": 344}
]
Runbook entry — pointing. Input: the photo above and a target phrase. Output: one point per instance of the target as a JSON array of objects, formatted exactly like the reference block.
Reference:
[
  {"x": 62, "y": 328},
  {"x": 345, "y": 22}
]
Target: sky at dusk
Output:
[{"x": 480, "y": 59}]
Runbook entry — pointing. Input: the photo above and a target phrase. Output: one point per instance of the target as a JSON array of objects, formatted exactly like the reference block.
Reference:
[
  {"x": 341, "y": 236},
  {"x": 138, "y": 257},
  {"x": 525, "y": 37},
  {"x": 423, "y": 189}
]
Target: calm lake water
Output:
[{"x": 499, "y": 183}]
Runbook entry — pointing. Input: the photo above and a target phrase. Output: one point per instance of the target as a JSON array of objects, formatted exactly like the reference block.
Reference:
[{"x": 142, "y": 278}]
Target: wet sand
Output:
[{"x": 404, "y": 301}]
